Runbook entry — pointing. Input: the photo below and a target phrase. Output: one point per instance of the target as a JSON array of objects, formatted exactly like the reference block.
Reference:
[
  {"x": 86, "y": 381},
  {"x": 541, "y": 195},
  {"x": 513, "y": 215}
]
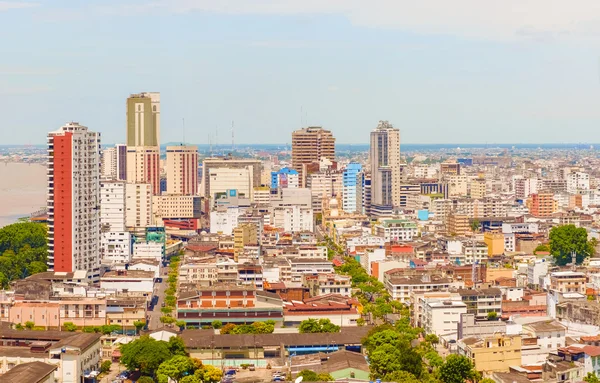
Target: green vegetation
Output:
[
  {"x": 147, "y": 354},
  {"x": 317, "y": 326},
  {"x": 591, "y": 378},
  {"x": 69, "y": 326},
  {"x": 266, "y": 327},
  {"x": 492, "y": 315},
  {"x": 311, "y": 376},
  {"x": 217, "y": 324},
  {"x": 23, "y": 251},
  {"x": 105, "y": 366},
  {"x": 567, "y": 239},
  {"x": 457, "y": 369},
  {"x": 145, "y": 379},
  {"x": 139, "y": 325},
  {"x": 105, "y": 329}
]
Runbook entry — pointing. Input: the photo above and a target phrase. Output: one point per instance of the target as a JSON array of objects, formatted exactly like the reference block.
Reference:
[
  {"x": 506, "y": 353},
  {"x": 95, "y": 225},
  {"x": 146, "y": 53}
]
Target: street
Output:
[{"x": 155, "y": 314}]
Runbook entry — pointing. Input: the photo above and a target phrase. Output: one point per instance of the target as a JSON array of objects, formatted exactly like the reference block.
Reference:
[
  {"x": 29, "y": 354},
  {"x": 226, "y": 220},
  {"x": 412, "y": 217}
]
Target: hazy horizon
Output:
[{"x": 464, "y": 71}]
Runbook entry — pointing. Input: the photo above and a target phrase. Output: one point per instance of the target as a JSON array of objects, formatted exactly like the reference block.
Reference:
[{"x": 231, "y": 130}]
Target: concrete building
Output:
[
  {"x": 309, "y": 146},
  {"x": 393, "y": 230},
  {"x": 244, "y": 234},
  {"x": 73, "y": 200},
  {"x": 285, "y": 178},
  {"x": 143, "y": 139},
  {"x": 457, "y": 224},
  {"x": 138, "y": 205},
  {"x": 535, "y": 271},
  {"x": 128, "y": 281},
  {"x": 350, "y": 189},
  {"x": 176, "y": 206},
  {"x": 182, "y": 170},
  {"x": 496, "y": 353},
  {"x": 114, "y": 163},
  {"x": 384, "y": 156},
  {"x": 578, "y": 183},
  {"x": 494, "y": 242},
  {"x": 400, "y": 287},
  {"x": 542, "y": 204},
  {"x": 222, "y": 174},
  {"x": 480, "y": 302},
  {"x": 477, "y": 189},
  {"x": 550, "y": 335},
  {"x": 324, "y": 186},
  {"x": 442, "y": 317}
]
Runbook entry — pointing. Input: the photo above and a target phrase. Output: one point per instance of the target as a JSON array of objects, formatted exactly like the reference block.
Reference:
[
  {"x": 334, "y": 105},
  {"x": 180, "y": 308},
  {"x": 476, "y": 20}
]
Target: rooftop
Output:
[{"x": 33, "y": 372}]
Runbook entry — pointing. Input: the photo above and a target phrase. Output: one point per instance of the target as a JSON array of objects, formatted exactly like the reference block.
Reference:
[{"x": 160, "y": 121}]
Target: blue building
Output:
[
  {"x": 350, "y": 187},
  {"x": 284, "y": 178}
]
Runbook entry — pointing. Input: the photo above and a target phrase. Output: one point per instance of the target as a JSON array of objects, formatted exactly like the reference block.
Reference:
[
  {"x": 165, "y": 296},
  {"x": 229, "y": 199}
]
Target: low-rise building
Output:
[
  {"x": 442, "y": 317},
  {"x": 480, "y": 302},
  {"x": 400, "y": 286},
  {"x": 550, "y": 335},
  {"x": 128, "y": 281},
  {"x": 496, "y": 353},
  {"x": 323, "y": 284}
]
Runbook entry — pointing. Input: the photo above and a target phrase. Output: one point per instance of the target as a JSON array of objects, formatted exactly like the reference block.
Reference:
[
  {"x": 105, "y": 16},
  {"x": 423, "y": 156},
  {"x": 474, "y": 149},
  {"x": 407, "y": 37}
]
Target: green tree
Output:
[
  {"x": 400, "y": 376},
  {"x": 145, "y": 379},
  {"x": 166, "y": 310},
  {"x": 312, "y": 325},
  {"x": 36, "y": 267},
  {"x": 591, "y": 378},
  {"x": 105, "y": 366},
  {"x": 176, "y": 346},
  {"x": 541, "y": 248},
  {"x": 492, "y": 315},
  {"x": 209, "y": 374},
  {"x": 388, "y": 358},
  {"x": 145, "y": 354},
  {"x": 70, "y": 326},
  {"x": 432, "y": 339},
  {"x": 487, "y": 380},
  {"x": 456, "y": 369},
  {"x": 109, "y": 328},
  {"x": 217, "y": 324},
  {"x": 475, "y": 225},
  {"x": 228, "y": 328},
  {"x": 174, "y": 368},
  {"x": 139, "y": 325},
  {"x": 181, "y": 324},
  {"x": 189, "y": 379},
  {"x": 567, "y": 239},
  {"x": 167, "y": 319},
  {"x": 29, "y": 325}
]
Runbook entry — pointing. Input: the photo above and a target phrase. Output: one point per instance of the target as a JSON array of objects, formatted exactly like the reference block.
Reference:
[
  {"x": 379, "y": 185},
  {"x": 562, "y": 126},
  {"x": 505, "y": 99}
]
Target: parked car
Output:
[
  {"x": 230, "y": 372},
  {"x": 251, "y": 368},
  {"x": 278, "y": 379}
]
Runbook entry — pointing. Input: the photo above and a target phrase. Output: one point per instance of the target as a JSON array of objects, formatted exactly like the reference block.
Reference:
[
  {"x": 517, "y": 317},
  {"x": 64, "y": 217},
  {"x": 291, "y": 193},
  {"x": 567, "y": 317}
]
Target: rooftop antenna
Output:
[
  {"x": 217, "y": 138},
  {"x": 209, "y": 145},
  {"x": 183, "y": 129},
  {"x": 232, "y": 138}
]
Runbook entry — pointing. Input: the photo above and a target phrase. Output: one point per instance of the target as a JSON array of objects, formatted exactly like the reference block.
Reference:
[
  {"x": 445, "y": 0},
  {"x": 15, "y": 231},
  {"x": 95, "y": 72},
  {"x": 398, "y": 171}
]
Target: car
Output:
[
  {"x": 230, "y": 372},
  {"x": 278, "y": 379},
  {"x": 251, "y": 368}
]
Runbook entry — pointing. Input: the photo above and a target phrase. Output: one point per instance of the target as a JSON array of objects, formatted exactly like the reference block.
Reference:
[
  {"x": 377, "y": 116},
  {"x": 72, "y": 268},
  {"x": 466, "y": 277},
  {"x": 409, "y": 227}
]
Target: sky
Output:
[{"x": 460, "y": 71}]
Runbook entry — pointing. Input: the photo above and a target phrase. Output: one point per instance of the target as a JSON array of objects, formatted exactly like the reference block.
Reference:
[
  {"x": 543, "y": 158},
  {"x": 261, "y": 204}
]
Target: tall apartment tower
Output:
[
  {"x": 309, "y": 145},
  {"x": 114, "y": 163},
  {"x": 143, "y": 139},
  {"x": 73, "y": 200},
  {"x": 384, "y": 156},
  {"x": 182, "y": 170}
]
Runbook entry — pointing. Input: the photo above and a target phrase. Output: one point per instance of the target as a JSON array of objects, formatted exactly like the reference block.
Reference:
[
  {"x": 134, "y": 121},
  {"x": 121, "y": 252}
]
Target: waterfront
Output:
[{"x": 22, "y": 190}]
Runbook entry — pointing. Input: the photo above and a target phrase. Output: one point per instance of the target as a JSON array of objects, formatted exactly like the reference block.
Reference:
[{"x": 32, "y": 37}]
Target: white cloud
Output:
[
  {"x": 478, "y": 19},
  {"x": 8, "y": 5}
]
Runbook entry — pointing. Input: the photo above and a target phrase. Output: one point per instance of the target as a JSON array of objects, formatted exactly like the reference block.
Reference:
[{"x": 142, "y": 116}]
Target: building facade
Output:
[{"x": 385, "y": 167}]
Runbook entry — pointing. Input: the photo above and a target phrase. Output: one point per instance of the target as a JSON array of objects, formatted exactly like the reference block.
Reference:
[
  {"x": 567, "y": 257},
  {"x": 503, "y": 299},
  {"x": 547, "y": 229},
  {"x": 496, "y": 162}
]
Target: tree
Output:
[
  {"x": 217, "y": 324},
  {"x": 176, "y": 346},
  {"x": 209, "y": 374},
  {"x": 432, "y": 339},
  {"x": 492, "y": 315},
  {"x": 174, "y": 368},
  {"x": 166, "y": 310},
  {"x": 400, "y": 376},
  {"x": 475, "y": 225},
  {"x": 181, "y": 324},
  {"x": 139, "y": 325},
  {"x": 19, "y": 326},
  {"x": 145, "y": 379},
  {"x": 109, "y": 328},
  {"x": 167, "y": 319},
  {"x": 105, "y": 366},
  {"x": 567, "y": 239},
  {"x": 591, "y": 378},
  {"x": 70, "y": 326},
  {"x": 36, "y": 267},
  {"x": 456, "y": 369},
  {"x": 317, "y": 326},
  {"x": 189, "y": 379},
  {"x": 228, "y": 328},
  {"x": 29, "y": 325},
  {"x": 541, "y": 248},
  {"x": 145, "y": 354},
  {"x": 487, "y": 380}
]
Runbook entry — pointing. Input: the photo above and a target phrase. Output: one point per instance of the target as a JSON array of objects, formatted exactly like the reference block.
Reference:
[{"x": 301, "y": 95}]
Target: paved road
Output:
[{"x": 159, "y": 289}]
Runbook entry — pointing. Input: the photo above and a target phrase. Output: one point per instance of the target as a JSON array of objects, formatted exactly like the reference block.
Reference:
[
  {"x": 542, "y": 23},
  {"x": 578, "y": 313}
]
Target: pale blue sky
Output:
[{"x": 461, "y": 71}]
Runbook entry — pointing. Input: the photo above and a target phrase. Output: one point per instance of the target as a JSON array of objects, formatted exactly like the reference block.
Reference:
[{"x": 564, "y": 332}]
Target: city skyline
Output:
[{"x": 462, "y": 78}]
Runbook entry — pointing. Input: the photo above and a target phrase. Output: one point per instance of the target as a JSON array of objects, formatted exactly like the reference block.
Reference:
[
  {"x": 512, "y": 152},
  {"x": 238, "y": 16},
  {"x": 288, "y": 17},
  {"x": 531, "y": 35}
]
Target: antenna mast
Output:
[
  {"x": 183, "y": 129},
  {"x": 232, "y": 138}
]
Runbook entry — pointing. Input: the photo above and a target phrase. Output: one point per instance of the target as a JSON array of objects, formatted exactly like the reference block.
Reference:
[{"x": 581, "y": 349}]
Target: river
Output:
[{"x": 22, "y": 190}]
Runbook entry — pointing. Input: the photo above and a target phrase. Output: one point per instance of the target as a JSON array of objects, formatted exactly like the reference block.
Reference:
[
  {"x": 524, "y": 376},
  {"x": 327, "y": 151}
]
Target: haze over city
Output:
[{"x": 461, "y": 71}]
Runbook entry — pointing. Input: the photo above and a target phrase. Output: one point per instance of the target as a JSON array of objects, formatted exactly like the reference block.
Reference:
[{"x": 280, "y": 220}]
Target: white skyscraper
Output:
[
  {"x": 385, "y": 168},
  {"x": 73, "y": 200}
]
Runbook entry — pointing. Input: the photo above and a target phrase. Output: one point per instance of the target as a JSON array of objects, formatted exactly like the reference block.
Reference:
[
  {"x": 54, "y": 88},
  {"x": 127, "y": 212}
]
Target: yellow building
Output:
[
  {"x": 493, "y": 353},
  {"x": 494, "y": 242},
  {"x": 244, "y": 234},
  {"x": 457, "y": 224},
  {"x": 478, "y": 188}
]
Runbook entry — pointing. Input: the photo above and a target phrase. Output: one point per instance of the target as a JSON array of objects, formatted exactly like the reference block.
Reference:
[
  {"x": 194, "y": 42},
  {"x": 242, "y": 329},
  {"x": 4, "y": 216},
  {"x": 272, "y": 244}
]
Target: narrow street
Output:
[{"x": 155, "y": 314}]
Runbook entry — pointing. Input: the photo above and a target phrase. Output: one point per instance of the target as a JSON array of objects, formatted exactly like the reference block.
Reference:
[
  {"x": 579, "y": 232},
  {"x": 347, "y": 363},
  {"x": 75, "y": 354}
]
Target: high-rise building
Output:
[
  {"x": 309, "y": 145},
  {"x": 542, "y": 204},
  {"x": 114, "y": 163},
  {"x": 350, "y": 187},
  {"x": 138, "y": 206},
  {"x": 115, "y": 240},
  {"x": 143, "y": 139},
  {"x": 73, "y": 200},
  {"x": 182, "y": 170},
  {"x": 385, "y": 168}
]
